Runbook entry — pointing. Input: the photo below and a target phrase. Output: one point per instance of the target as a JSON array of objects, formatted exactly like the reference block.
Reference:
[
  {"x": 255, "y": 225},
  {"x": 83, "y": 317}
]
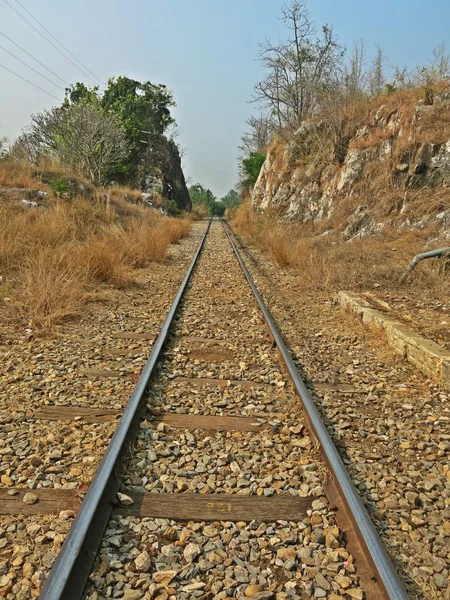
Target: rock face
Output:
[
  {"x": 167, "y": 178},
  {"x": 387, "y": 164},
  {"x": 174, "y": 183}
]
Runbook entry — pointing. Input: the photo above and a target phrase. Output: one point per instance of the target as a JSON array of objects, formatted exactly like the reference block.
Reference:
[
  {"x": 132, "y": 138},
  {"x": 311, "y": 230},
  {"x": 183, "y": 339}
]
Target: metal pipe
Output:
[
  {"x": 382, "y": 563},
  {"x": 71, "y": 570},
  {"x": 423, "y": 256}
]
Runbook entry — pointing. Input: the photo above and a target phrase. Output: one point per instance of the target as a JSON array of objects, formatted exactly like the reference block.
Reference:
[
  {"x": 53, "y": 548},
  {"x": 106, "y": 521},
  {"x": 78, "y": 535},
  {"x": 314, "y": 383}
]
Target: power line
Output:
[
  {"x": 32, "y": 68},
  {"x": 30, "y": 82},
  {"x": 56, "y": 40},
  {"x": 49, "y": 41},
  {"x": 35, "y": 59}
]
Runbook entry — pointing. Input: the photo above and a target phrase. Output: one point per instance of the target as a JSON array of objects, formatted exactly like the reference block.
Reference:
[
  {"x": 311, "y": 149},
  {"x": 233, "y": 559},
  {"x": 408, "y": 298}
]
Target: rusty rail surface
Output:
[
  {"x": 378, "y": 575},
  {"x": 71, "y": 570}
]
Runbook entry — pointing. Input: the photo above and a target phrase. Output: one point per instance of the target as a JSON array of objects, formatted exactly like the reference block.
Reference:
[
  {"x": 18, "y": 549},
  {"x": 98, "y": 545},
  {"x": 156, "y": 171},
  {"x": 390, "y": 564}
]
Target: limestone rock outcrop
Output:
[{"x": 400, "y": 154}]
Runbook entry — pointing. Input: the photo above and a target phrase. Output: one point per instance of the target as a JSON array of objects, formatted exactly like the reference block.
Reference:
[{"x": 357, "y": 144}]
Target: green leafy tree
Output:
[
  {"x": 250, "y": 169},
  {"x": 79, "y": 92},
  {"x": 142, "y": 109},
  {"x": 200, "y": 196},
  {"x": 232, "y": 198}
]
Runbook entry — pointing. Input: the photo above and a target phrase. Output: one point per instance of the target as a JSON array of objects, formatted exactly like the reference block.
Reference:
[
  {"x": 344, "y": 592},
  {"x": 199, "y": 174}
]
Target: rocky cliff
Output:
[
  {"x": 394, "y": 169},
  {"x": 166, "y": 176}
]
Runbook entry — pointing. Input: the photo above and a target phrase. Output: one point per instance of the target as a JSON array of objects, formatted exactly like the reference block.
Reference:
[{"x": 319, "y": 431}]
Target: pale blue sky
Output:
[{"x": 204, "y": 50}]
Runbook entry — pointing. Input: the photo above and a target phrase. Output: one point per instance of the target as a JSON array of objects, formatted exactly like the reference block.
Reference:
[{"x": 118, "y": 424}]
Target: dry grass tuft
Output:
[
  {"x": 16, "y": 173},
  {"x": 51, "y": 258},
  {"x": 177, "y": 229},
  {"x": 50, "y": 288},
  {"x": 105, "y": 258},
  {"x": 329, "y": 263},
  {"x": 281, "y": 248},
  {"x": 376, "y": 137}
]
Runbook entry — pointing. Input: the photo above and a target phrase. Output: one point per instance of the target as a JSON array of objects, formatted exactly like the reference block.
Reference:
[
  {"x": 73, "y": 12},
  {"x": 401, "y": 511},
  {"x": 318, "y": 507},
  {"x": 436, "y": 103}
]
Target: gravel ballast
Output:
[
  {"x": 393, "y": 430},
  {"x": 57, "y": 372},
  {"x": 160, "y": 558}
]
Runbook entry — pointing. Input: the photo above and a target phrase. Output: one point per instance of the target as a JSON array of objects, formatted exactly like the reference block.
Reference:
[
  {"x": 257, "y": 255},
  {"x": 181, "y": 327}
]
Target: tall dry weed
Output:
[
  {"x": 329, "y": 263},
  {"x": 16, "y": 173},
  {"x": 49, "y": 287},
  {"x": 50, "y": 258}
]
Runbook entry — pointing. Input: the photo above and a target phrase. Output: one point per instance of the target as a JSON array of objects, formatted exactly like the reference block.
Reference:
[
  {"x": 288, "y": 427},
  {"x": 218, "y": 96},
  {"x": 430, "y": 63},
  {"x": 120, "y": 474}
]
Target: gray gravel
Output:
[
  {"x": 157, "y": 558},
  {"x": 393, "y": 433},
  {"x": 38, "y": 372}
]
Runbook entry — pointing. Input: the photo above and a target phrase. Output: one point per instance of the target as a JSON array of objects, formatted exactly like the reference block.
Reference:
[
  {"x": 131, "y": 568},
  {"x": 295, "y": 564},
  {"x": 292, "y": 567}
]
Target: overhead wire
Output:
[
  {"x": 32, "y": 68},
  {"x": 49, "y": 41},
  {"x": 56, "y": 40},
  {"x": 35, "y": 59},
  {"x": 30, "y": 82}
]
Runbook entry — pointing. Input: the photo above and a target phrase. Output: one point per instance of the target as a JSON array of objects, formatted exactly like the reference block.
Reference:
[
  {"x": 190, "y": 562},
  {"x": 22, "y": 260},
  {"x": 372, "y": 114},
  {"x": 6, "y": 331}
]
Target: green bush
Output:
[
  {"x": 60, "y": 186},
  {"x": 250, "y": 168},
  {"x": 172, "y": 208}
]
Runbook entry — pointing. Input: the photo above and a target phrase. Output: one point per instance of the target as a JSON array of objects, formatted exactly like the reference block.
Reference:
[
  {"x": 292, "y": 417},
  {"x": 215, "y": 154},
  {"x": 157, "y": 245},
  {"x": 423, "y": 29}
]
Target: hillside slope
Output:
[{"x": 390, "y": 167}]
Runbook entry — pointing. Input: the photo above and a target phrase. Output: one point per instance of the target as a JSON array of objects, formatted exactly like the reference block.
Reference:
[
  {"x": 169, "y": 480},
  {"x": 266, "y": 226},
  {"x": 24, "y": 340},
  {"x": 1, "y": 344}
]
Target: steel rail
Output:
[
  {"x": 70, "y": 572},
  {"x": 376, "y": 552}
]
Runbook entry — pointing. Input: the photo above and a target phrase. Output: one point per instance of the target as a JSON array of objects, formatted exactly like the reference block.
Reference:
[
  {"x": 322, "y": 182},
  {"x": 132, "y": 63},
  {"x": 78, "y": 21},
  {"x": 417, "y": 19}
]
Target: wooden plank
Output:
[
  {"x": 50, "y": 501},
  {"x": 133, "y": 335},
  {"x": 223, "y": 382},
  {"x": 211, "y": 354},
  {"x": 216, "y": 341},
  {"x": 217, "y": 507},
  {"x": 208, "y": 422},
  {"x": 202, "y": 340},
  {"x": 102, "y": 373},
  {"x": 344, "y": 388},
  {"x": 74, "y": 413},
  {"x": 124, "y": 351}
]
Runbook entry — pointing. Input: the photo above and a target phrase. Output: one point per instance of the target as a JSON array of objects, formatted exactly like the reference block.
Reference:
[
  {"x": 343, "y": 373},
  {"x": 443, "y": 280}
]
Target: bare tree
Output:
[
  {"x": 81, "y": 136},
  {"x": 298, "y": 70},
  {"x": 90, "y": 141},
  {"x": 377, "y": 79},
  {"x": 39, "y": 138},
  {"x": 355, "y": 78},
  {"x": 258, "y": 135},
  {"x": 340, "y": 102}
]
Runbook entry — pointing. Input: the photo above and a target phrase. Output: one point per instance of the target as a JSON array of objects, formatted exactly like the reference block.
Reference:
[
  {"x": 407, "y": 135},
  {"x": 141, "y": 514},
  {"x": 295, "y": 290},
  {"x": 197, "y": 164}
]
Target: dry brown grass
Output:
[
  {"x": 199, "y": 212},
  {"x": 328, "y": 263},
  {"x": 15, "y": 173},
  {"x": 376, "y": 137},
  {"x": 49, "y": 287},
  {"x": 105, "y": 258},
  {"x": 125, "y": 193},
  {"x": 51, "y": 258},
  {"x": 434, "y": 124}
]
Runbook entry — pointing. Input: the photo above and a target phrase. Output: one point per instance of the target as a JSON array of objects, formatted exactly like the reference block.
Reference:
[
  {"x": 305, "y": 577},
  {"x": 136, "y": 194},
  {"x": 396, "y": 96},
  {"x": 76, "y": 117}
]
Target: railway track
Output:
[{"x": 216, "y": 484}]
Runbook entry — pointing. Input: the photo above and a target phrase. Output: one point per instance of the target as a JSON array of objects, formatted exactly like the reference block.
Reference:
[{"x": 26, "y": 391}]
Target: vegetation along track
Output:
[{"x": 214, "y": 485}]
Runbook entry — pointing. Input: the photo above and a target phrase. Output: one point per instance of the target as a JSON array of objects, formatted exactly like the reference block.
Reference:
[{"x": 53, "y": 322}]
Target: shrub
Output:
[
  {"x": 50, "y": 259},
  {"x": 250, "y": 169},
  {"x": 50, "y": 288},
  {"x": 60, "y": 187}
]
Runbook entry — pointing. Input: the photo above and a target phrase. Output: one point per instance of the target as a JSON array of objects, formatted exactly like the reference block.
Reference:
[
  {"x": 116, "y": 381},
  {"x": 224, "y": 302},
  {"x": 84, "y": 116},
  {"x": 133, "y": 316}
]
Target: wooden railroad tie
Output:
[
  {"x": 133, "y": 335},
  {"x": 76, "y": 413},
  {"x": 220, "y": 423},
  {"x": 125, "y": 351},
  {"x": 180, "y": 421},
  {"x": 179, "y": 507},
  {"x": 201, "y": 381}
]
